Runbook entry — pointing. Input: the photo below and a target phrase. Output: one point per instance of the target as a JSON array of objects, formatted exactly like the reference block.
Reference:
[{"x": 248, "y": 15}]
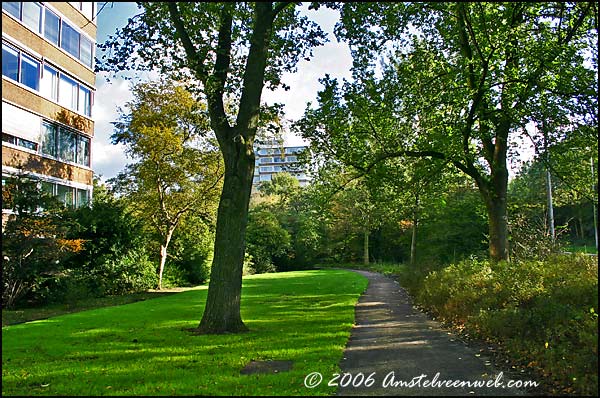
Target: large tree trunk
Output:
[
  {"x": 222, "y": 311},
  {"x": 495, "y": 201}
]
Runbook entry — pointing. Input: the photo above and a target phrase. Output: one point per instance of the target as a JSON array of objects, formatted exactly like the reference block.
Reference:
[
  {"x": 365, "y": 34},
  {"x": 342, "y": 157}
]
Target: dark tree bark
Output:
[{"x": 222, "y": 311}]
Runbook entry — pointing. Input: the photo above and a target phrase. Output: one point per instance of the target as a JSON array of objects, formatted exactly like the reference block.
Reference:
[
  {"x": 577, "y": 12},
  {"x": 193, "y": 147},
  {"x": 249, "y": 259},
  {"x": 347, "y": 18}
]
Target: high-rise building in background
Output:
[
  {"x": 48, "y": 84},
  {"x": 272, "y": 158}
]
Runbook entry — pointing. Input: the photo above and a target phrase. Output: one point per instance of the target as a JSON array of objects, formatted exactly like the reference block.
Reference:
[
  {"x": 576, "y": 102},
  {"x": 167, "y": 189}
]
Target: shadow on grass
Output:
[
  {"x": 28, "y": 314},
  {"x": 143, "y": 349}
]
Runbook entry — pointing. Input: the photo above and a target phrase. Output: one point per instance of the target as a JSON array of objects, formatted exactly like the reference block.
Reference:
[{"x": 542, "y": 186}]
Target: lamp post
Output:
[{"x": 594, "y": 185}]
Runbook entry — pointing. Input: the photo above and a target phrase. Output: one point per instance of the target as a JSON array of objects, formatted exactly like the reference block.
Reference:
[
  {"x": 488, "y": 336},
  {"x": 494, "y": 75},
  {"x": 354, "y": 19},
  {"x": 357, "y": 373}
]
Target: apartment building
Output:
[
  {"x": 48, "y": 89},
  {"x": 271, "y": 159}
]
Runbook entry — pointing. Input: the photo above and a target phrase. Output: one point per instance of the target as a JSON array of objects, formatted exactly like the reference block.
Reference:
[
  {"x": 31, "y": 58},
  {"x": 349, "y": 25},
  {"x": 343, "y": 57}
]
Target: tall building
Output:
[
  {"x": 271, "y": 159},
  {"x": 48, "y": 84}
]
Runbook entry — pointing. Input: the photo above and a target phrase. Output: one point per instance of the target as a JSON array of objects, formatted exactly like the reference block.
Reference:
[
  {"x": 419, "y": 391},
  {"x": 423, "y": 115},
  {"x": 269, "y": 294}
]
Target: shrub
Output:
[
  {"x": 265, "y": 240},
  {"x": 113, "y": 260},
  {"x": 190, "y": 253},
  {"x": 34, "y": 238},
  {"x": 546, "y": 311}
]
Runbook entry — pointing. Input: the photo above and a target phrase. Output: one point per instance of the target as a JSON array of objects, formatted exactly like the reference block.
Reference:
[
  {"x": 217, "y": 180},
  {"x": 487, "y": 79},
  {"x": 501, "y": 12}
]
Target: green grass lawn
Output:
[
  {"x": 143, "y": 349},
  {"x": 20, "y": 315},
  {"x": 581, "y": 249}
]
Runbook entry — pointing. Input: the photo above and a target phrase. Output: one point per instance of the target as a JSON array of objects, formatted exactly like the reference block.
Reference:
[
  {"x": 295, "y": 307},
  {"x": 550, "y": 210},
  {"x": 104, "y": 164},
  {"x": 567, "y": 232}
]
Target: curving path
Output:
[{"x": 399, "y": 343}]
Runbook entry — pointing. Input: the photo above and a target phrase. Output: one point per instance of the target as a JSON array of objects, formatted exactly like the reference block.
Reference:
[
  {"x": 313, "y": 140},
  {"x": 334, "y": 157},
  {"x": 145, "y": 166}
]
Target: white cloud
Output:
[
  {"x": 332, "y": 58},
  {"x": 108, "y": 159}
]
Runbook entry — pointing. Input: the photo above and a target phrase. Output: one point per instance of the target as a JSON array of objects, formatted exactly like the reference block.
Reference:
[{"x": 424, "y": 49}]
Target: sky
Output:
[{"x": 109, "y": 159}]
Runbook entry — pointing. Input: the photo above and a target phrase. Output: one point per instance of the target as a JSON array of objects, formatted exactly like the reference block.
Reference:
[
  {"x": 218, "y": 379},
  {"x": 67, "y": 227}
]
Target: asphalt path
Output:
[{"x": 406, "y": 353}]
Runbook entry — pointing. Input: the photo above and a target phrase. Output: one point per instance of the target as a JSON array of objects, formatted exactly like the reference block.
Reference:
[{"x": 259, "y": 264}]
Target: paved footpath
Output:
[{"x": 399, "y": 343}]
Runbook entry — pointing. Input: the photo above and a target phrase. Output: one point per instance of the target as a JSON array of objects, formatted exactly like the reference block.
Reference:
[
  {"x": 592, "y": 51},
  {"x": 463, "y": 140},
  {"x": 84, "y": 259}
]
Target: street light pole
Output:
[
  {"x": 550, "y": 205},
  {"x": 594, "y": 185}
]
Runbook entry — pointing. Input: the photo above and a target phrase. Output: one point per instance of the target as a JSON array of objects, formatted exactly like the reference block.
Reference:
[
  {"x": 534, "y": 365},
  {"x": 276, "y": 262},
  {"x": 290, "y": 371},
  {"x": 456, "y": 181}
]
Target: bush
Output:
[
  {"x": 34, "y": 239},
  {"x": 546, "y": 311},
  {"x": 190, "y": 253},
  {"x": 266, "y": 240},
  {"x": 113, "y": 260}
]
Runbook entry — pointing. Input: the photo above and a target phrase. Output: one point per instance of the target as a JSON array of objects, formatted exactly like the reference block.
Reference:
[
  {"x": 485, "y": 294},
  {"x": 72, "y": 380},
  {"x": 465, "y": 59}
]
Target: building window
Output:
[
  {"x": 10, "y": 62},
  {"x": 11, "y": 139},
  {"x": 54, "y": 28},
  {"x": 67, "y": 145},
  {"x": 30, "y": 72},
  {"x": 266, "y": 160},
  {"x": 83, "y": 150},
  {"x": 51, "y": 27},
  {"x": 48, "y": 138},
  {"x": 84, "y": 101},
  {"x": 52, "y": 84},
  {"x": 82, "y": 197},
  {"x": 87, "y": 8},
  {"x": 32, "y": 16},
  {"x": 70, "y": 40},
  {"x": 292, "y": 158},
  {"x": 13, "y": 8},
  {"x": 85, "y": 54},
  {"x": 47, "y": 187},
  {"x": 64, "y": 194},
  {"x": 67, "y": 92},
  {"x": 49, "y": 83},
  {"x": 266, "y": 168}
]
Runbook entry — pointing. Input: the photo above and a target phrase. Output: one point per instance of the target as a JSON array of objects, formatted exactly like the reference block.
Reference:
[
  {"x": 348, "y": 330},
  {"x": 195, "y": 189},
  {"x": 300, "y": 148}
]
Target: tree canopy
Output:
[{"x": 458, "y": 82}]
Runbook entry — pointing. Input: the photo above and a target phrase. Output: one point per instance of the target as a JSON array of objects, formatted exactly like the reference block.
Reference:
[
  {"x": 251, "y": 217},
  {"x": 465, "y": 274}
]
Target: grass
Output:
[
  {"x": 21, "y": 315},
  {"x": 143, "y": 349},
  {"x": 581, "y": 249}
]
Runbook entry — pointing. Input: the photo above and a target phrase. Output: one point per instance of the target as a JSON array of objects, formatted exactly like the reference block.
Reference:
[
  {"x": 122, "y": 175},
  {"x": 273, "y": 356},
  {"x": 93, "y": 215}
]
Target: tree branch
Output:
[
  {"x": 196, "y": 61},
  {"x": 280, "y": 7},
  {"x": 254, "y": 73}
]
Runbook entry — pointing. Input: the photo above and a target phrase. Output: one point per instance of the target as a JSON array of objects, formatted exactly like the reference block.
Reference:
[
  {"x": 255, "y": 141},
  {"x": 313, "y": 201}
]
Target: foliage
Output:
[
  {"x": 495, "y": 68},
  {"x": 543, "y": 312},
  {"x": 34, "y": 238},
  {"x": 191, "y": 252},
  {"x": 266, "y": 240},
  {"x": 299, "y": 212},
  {"x": 453, "y": 226},
  {"x": 541, "y": 315},
  {"x": 304, "y": 317},
  {"x": 177, "y": 170},
  {"x": 113, "y": 259},
  {"x": 573, "y": 213}
]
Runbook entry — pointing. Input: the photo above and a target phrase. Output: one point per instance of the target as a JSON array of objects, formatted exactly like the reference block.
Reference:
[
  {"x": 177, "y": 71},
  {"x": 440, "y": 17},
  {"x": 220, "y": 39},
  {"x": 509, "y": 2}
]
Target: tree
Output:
[
  {"x": 177, "y": 171},
  {"x": 34, "y": 238},
  {"x": 459, "y": 82},
  {"x": 231, "y": 49},
  {"x": 266, "y": 240}
]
